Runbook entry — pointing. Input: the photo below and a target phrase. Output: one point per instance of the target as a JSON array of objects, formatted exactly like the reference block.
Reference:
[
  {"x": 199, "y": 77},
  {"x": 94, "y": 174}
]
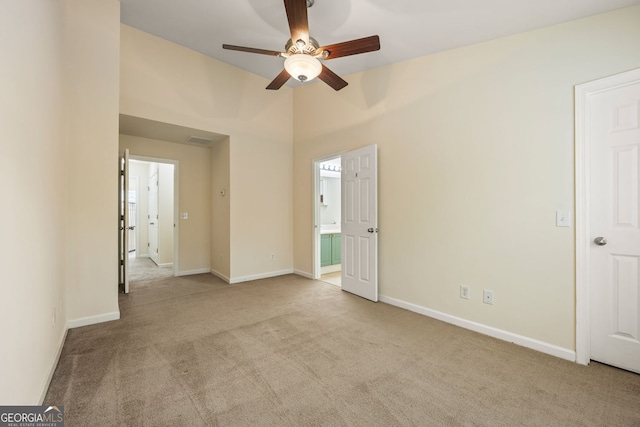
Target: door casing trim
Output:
[{"x": 176, "y": 203}]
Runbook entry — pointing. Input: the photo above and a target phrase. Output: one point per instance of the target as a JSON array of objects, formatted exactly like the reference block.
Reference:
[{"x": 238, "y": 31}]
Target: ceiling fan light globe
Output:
[{"x": 302, "y": 67}]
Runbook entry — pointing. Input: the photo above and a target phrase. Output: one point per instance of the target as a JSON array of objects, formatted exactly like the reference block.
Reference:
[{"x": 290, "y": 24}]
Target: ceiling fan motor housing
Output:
[{"x": 310, "y": 48}]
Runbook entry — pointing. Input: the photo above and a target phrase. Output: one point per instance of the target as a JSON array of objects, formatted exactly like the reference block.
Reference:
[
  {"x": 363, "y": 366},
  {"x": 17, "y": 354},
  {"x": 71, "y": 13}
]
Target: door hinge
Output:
[
  {"x": 148, "y": 245},
  {"x": 121, "y": 262},
  {"x": 121, "y": 217},
  {"x": 121, "y": 173}
]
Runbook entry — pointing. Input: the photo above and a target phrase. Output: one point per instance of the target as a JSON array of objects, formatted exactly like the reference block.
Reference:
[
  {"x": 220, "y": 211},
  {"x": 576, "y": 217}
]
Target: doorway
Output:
[
  {"x": 357, "y": 235},
  {"x": 327, "y": 208},
  {"x": 152, "y": 207},
  {"x": 608, "y": 221}
]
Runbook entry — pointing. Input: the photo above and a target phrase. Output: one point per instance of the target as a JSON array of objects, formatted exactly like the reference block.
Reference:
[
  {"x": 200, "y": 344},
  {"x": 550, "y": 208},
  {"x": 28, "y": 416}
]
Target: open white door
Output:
[
  {"x": 124, "y": 222},
  {"x": 609, "y": 235},
  {"x": 360, "y": 222}
]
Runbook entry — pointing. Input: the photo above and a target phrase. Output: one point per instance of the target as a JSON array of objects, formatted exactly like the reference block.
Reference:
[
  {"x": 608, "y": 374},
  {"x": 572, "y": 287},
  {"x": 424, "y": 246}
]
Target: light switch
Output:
[
  {"x": 184, "y": 215},
  {"x": 563, "y": 219}
]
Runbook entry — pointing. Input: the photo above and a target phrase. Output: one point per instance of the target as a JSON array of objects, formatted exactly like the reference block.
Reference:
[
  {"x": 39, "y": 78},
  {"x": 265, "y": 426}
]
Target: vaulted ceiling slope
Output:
[{"x": 407, "y": 28}]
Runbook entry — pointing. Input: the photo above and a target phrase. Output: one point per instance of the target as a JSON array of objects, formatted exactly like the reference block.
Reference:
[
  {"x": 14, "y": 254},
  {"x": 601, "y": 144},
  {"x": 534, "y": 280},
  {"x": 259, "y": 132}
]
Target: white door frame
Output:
[
  {"x": 583, "y": 236},
  {"x": 123, "y": 217},
  {"x": 176, "y": 193},
  {"x": 316, "y": 269}
]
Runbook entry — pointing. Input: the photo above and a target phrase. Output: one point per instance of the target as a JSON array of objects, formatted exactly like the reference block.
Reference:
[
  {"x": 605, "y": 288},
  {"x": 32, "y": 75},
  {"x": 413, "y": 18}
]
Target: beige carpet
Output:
[{"x": 290, "y": 351}]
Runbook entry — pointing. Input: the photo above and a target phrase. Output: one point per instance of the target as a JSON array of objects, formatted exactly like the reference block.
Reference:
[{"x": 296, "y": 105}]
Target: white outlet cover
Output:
[
  {"x": 487, "y": 296},
  {"x": 465, "y": 291},
  {"x": 563, "y": 218}
]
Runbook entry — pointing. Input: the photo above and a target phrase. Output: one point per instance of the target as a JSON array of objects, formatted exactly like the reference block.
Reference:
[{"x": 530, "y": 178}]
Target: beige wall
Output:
[
  {"x": 220, "y": 210},
  {"x": 59, "y": 106},
  {"x": 194, "y": 192},
  {"x": 92, "y": 96},
  {"x": 476, "y": 154},
  {"x": 165, "y": 82},
  {"x": 33, "y": 191}
]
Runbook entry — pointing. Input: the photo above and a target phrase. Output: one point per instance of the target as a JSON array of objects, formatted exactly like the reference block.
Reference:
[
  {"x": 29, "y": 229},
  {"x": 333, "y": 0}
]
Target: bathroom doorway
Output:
[
  {"x": 327, "y": 209},
  {"x": 152, "y": 205}
]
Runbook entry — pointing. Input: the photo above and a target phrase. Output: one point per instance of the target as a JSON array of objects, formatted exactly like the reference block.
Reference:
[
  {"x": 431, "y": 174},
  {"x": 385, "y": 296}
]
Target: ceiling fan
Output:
[{"x": 303, "y": 53}]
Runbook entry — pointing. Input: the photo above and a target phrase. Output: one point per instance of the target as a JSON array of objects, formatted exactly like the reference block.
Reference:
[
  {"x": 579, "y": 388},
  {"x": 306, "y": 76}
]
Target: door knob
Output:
[{"x": 600, "y": 241}]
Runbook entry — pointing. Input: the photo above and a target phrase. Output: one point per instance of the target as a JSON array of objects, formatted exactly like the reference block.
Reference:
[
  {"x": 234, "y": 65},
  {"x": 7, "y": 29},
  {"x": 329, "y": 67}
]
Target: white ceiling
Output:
[{"x": 407, "y": 28}]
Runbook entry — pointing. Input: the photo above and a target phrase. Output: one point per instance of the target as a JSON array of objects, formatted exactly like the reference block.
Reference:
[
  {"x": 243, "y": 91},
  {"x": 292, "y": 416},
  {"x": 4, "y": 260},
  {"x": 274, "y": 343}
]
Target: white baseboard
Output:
[
  {"x": 260, "y": 276},
  {"x": 53, "y": 367},
  {"x": 303, "y": 274},
  {"x": 220, "y": 275},
  {"x": 190, "y": 272},
  {"x": 523, "y": 341},
  {"x": 92, "y": 320},
  {"x": 242, "y": 279}
]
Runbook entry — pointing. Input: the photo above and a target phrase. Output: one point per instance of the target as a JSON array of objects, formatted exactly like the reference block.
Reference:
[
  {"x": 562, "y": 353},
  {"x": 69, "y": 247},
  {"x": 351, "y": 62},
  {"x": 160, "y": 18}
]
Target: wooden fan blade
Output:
[
  {"x": 251, "y": 50},
  {"x": 279, "y": 80},
  {"x": 298, "y": 20},
  {"x": 353, "y": 47},
  {"x": 331, "y": 78}
]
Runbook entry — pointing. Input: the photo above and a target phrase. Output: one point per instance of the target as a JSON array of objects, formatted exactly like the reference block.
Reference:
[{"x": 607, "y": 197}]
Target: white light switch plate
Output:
[{"x": 563, "y": 219}]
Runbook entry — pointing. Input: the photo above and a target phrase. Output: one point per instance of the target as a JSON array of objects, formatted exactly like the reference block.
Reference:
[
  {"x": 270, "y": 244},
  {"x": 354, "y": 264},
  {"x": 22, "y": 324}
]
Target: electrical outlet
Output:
[
  {"x": 465, "y": 292},
  {"x": 487, "y": 296},
  {"x": 273, "y": 256}
]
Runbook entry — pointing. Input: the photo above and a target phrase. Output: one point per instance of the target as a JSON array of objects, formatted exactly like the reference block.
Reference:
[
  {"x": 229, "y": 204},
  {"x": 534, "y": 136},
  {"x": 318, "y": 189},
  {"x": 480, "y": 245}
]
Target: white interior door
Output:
[
  {"x": 124, "y": 222},
  {"x": 614, "y": 253},
  {"x": 153, "y": 217},
  {"x": 132, "y": 203},
  {"x": 360, "y": 222}
]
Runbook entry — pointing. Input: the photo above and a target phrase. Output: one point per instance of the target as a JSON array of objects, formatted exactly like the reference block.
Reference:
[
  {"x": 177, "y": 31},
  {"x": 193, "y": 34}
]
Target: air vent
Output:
[{"x": 199, "y": 140}]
